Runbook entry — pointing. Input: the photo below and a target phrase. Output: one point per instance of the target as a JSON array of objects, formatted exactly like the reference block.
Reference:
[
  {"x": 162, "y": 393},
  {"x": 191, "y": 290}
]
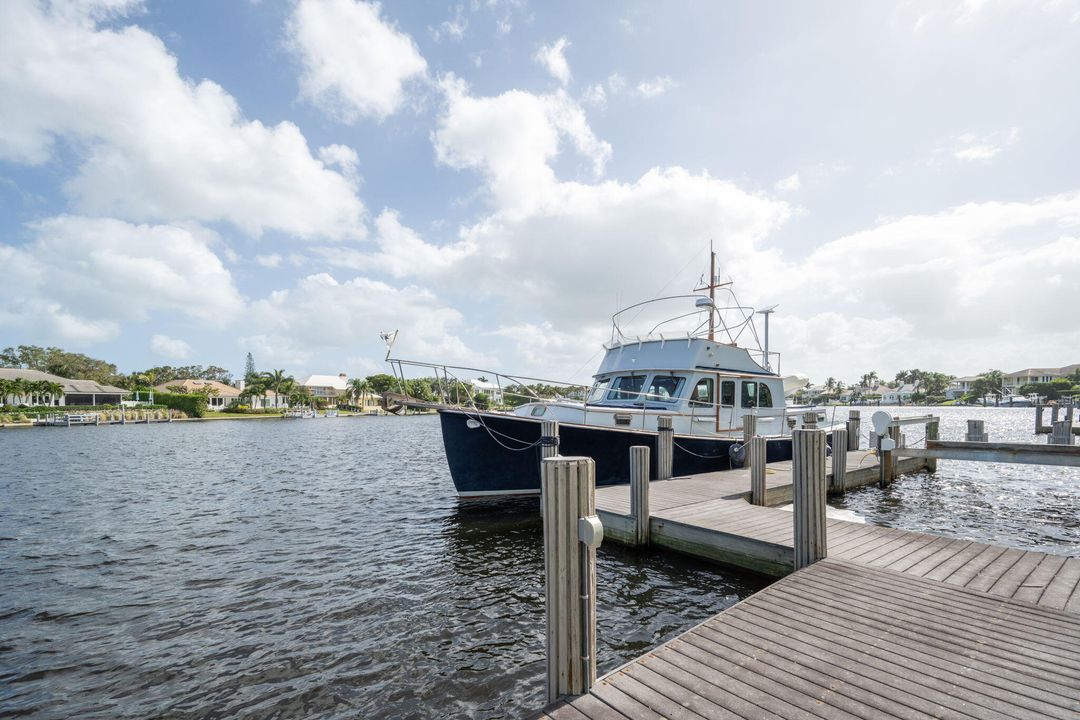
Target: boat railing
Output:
[{"x": 451, "y": 385}]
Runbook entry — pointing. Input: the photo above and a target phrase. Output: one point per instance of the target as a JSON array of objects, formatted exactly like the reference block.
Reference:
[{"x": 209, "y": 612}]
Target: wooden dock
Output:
[
  {"x": 892, "y": 624},
  {"x": 842, "y": 639}
]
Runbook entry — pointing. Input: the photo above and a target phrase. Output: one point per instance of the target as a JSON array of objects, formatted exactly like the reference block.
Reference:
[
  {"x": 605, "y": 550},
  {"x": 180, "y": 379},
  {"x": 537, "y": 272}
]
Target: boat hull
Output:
[{"x": 501, "y": 454}]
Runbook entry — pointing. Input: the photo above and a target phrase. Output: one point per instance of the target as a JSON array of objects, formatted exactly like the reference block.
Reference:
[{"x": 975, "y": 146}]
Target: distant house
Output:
[
  {"x": 960, "y": 387},
  {"x": 73, "y": 392},
  {"x": 327, "y": 388},
  {"x": 219, "y": 395},
  {"x": 895, "y": 396},
  {"x": 492, "y": 390},
  {"x": 1012, "y": 382}
]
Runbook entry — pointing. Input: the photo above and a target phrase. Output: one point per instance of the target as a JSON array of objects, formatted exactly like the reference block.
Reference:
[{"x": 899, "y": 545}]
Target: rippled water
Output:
[
  {"x": 1032, "y": 507},
  {"x": 316, "y": 568}
]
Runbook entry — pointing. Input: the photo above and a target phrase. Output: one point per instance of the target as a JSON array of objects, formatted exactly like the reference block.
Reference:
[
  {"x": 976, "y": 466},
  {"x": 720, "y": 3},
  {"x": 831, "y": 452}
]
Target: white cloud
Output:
[
  {"x": 553, "y": 58},
  {"x": 595, "y": 96},
  {"x": 512, "y": 138},
  {"x": 170, "y": 347},
  {"x": 789, "y": 184},
  {"x": 983, "y": 148},
  {"x": 152, "y": 145},
  {"x": 616, "y": 83},
  {"x": 272, "y": 260},
  {"x": 82, "y": 276},
  {"x": 654, "y": 88},
  {"x": 402, "y": 252},
  {"x": 453, "y": 28},
  {"x": 292, "y": 325},
  {"x": 354, "y": 63},
  {"x": 344, "y": 158}
]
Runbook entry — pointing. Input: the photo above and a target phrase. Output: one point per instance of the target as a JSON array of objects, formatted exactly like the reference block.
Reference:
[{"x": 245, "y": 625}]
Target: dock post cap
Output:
[{"x": 881, "y": 421}]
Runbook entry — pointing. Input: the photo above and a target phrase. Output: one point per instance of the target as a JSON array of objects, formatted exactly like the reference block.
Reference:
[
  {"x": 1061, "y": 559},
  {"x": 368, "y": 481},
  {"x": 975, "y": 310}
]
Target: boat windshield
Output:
[
  {"x": 626, "y": 387},
  {"x": 599, "y": 390},
  {"x": 664, "y": 388}
]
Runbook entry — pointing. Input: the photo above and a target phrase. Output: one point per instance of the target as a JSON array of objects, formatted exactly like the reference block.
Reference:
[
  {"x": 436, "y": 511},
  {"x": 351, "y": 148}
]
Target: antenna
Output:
[{"x": 767, "y": 312}]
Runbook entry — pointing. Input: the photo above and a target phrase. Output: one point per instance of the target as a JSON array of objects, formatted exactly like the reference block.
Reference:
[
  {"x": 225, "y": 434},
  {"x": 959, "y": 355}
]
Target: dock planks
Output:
[{"x": 842, "y": 639}]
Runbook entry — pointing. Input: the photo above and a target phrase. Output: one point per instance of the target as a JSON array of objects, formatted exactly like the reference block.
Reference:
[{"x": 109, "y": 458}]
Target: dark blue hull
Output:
[{"x": 501, "y": 456}]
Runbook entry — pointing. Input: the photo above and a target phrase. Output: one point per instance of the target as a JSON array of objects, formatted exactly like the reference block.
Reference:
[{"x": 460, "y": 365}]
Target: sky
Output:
[{"x": 185, "y": 182}]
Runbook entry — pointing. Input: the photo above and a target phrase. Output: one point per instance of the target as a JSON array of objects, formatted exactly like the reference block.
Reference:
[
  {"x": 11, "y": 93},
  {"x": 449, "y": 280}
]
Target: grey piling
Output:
[
  {"x": 854, "y": 422},
  {"x": 839, "y": 460},
  {"x": 932, "y": 431},
  {"x": 1038, "y": 418},
  {"x": 665, "y": 447},
  {"x": 639, "y": 493},
  {"x": 808, "y": 488},
  {"x": 1061, "y": 433},
  {"x": 756, "y": 457},
  {"x": 571, "y": 534},
  {"x": 549, "y": 439},
  {"x": 749, "y": 430},
  {"x": 976, "y": 431},
  {"x": 809, "y": 420}
]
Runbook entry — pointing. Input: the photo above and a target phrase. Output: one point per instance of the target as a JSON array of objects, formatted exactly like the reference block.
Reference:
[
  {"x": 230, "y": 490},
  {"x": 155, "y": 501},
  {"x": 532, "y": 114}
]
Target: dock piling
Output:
[
  {"x": 808, "y": 481},
  {"x": 639, "y": 493},
  {"x": 976, "y": 431},
  {"x": 932, "y": 432},
  {"x": 756, "y": 457},
  {"x": 853, "y": 429},
  {"x": 1061, "y": 433},
  {"x": 665, "y": 447},
  {"x": 809, "y": 420},
  {"x": 549, "y": 439},
  {"x": 839, "y": 459},
  {"x": 572, "y": 533},
  {"x": 749, "y": 430}
]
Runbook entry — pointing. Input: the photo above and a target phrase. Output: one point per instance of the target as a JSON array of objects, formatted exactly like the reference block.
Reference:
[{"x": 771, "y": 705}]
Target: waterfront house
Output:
[
  {"x": 218, "y": 395},
  {"x": 326, "y": 389},
  {"x": 72, "y": 392},
  {"x": 492, "y": 390},
  {"x": 960, "y": 387},
  {"x": 895, "y": 396},
  {"x": 1012, "y": 382}
]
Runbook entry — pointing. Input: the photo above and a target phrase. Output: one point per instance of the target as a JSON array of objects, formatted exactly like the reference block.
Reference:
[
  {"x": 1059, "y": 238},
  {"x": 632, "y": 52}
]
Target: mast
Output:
[{"x": 712, "y": 292}]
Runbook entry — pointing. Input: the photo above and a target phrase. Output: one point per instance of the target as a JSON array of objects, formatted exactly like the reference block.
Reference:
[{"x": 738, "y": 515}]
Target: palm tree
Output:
[
  {"x": 53, "y": 390},
  {"x": 358, "y": 390},
  {"x": 830, "y": 384},
  {"x": 5, "y": 390},
  {"x": 18, "y": 389},
  {"x": 275, "y": 380}
]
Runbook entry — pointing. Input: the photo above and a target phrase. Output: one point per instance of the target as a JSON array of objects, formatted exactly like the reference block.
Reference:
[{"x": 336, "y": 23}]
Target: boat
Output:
[
  {"x": 705, "y": 378},
  {"x": 299, "y": 413}
]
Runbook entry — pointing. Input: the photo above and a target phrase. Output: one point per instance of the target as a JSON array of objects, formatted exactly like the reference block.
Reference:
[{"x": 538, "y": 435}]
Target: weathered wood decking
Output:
[
  {"x": 842, "y": 639},
  {"x": 894, "y": 624}
]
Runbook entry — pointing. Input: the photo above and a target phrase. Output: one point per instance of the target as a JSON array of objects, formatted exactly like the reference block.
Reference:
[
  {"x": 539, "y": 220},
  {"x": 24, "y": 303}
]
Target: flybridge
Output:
[{"x": 687, "y": 354}]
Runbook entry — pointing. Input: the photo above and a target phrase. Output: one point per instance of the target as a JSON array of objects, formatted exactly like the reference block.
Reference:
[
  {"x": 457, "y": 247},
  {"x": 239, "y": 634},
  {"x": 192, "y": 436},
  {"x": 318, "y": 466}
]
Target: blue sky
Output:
[{"x": 184, "y": 182}]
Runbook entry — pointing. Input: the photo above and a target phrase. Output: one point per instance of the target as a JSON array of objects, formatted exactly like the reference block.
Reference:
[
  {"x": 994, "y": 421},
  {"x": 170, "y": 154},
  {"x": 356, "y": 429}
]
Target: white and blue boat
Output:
[{"x": 705, "y": 379}]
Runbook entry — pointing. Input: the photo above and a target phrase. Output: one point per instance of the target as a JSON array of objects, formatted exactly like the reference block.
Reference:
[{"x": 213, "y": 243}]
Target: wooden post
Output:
[
  {"x": 756, "y": 457},
  {"x": 898, "y": 438},
  {"x": 1054, "y": 412},
  {"x": 853, "y": 429},
  {"x": 639, "y": 493},
  {"x": 839, "y": 460},
  {"x": 1061, "y": 433},
  {"x": 549, "y": 439},
  {"x": 570, "y": 538},
  {"x": 932, "y": 429},
  {"x": 1038, "y": 418},
  {"x": 665, "y": 447},
  {"x": 749, "y": 430},
  {"x": 976, "y": 431},
  {"x": 808, "y": 488},
  {"x": 809, "y": 420}
]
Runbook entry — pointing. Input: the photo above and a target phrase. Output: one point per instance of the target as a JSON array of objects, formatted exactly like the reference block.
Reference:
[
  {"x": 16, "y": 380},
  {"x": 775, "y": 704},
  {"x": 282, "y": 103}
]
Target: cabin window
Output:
[
  {"x": 626, "y": 387},
  {"x": 727, "y": 393},
  {"x": 756, "y": 394},
  {"x": 703, "y": 393},
  {"x": 664, "y": 388},
  {"x": 598, "y": 390}
]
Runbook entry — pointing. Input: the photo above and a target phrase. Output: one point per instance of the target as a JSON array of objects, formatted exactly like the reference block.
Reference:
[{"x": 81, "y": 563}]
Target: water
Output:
[
  {"x": 310, "y": 568},
  {"x": 1031, "y": 507}
]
